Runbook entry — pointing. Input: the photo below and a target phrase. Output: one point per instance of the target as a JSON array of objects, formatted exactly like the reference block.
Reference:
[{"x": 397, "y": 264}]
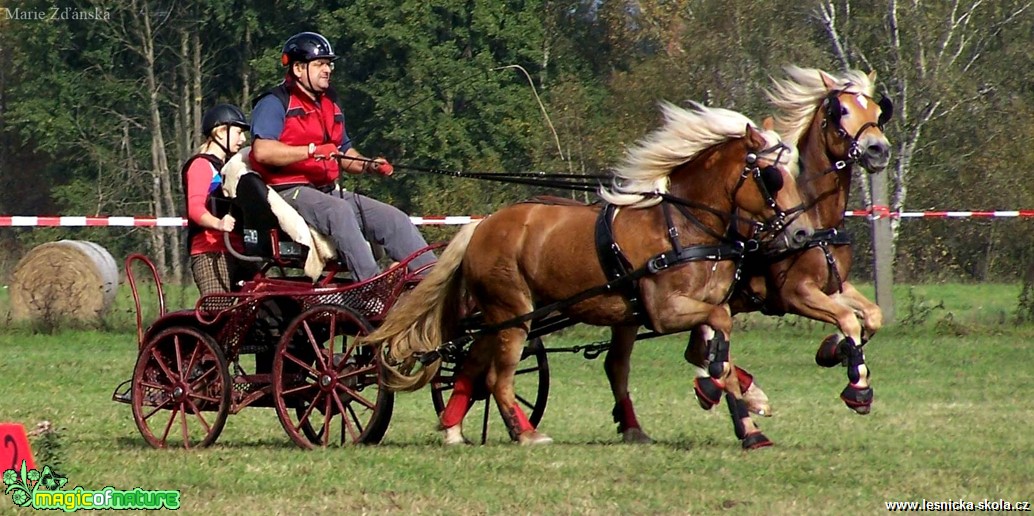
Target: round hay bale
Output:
[{"x": 71, "y": 279}]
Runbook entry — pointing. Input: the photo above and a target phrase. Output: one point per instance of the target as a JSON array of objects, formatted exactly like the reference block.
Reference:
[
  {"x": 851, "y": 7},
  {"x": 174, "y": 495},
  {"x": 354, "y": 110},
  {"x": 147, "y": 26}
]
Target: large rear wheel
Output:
[{"x": 325, "y": 387}]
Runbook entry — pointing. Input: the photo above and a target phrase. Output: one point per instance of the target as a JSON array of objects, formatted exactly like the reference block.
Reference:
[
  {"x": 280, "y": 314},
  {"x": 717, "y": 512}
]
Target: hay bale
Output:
[{"x": 68, "y": 279}]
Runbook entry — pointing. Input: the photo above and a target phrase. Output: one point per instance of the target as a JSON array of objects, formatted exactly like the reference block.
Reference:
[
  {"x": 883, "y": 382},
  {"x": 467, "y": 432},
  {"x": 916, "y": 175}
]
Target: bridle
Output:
[
  {"x": 769, "y": 181},
  {"x": 833, "y": 117}
]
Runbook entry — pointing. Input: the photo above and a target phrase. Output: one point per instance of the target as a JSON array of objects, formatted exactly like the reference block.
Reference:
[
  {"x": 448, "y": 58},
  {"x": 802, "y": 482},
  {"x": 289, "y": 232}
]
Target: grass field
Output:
[{"x": 951, "y": 420}]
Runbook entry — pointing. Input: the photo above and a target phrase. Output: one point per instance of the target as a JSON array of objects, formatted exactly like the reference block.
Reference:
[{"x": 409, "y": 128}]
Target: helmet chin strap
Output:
[
  {"x": 225, "y": 148},
  {"x": 308, "y": 88}
]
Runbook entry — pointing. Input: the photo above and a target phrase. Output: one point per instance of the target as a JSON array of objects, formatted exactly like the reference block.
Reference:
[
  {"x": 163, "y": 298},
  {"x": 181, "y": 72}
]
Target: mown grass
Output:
[{"x": 951, "y": 420}]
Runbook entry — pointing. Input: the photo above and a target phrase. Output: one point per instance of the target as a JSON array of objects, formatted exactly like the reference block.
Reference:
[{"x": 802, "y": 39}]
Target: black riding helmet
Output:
[
  {"x": 223, "y": 114},
  {"x": 305, "y": 47}
]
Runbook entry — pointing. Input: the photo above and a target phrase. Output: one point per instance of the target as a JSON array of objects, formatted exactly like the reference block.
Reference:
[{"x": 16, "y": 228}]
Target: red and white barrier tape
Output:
[
  {"x": 53, "y": 221},
  {"x": 40, "y": 221}
]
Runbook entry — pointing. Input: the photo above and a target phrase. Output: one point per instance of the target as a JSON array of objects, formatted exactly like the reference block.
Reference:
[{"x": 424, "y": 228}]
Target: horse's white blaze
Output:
[{"x": 862, "y": 101}]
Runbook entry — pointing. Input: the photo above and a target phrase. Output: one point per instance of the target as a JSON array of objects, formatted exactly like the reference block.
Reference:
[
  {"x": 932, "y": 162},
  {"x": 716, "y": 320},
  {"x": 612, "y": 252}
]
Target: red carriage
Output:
[{"x": 194, "y": 366}]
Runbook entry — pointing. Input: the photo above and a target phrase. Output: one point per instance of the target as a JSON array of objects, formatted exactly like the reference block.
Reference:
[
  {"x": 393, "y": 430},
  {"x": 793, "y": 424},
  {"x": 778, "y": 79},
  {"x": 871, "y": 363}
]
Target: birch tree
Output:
[{"x": 927, "y": 55}]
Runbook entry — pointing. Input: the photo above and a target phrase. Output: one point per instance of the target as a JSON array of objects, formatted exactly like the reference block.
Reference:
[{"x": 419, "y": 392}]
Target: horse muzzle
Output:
[{"x": 875, "y": 153}]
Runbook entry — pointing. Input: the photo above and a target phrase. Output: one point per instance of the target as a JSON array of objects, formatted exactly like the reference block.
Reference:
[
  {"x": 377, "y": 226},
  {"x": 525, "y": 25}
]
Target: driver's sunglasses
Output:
[{"x": 323, "y": 62}]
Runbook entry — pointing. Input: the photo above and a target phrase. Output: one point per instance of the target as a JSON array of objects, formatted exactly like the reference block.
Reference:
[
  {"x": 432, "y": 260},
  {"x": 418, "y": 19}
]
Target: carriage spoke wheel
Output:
[
  {"x": 327, "y": 389},
  {"x": 531, "y": 387},
  {"x": 181, "y": 389}
]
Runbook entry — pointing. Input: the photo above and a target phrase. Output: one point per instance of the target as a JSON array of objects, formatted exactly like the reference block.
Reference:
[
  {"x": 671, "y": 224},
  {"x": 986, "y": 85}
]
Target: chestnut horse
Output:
[
  {"x": 835, "y": 124},
  {"x": 677, "y": 192}
]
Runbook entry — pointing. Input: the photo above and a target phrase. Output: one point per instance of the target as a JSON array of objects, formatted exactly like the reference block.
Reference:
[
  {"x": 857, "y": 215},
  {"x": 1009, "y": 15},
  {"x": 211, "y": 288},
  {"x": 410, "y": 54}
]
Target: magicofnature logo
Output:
[{"x": 43, "y": 490}]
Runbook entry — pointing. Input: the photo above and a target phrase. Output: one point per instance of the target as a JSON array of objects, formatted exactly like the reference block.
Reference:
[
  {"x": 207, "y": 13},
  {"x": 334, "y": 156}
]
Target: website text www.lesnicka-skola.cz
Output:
[{"x": 961, "y": 505}]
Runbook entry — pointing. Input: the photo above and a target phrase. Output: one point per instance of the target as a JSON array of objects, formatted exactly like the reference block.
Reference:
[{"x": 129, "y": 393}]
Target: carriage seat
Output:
[{"x": 266, "y": 214}]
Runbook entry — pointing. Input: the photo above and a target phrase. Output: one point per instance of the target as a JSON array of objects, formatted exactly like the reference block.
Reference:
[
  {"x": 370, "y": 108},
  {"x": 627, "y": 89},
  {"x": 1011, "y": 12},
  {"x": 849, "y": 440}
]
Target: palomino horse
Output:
[
  {"x": 834, "y": 123},
  {"x": 677, "y": 192}
]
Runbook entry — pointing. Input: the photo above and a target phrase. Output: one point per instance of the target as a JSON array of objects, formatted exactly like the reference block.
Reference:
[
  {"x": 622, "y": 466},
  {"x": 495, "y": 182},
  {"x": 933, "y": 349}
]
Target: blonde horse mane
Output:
[
  {"x": 423, "y": 318},
  {"x": 796, "y": 97},
  {"x": 685, "y": 133}
]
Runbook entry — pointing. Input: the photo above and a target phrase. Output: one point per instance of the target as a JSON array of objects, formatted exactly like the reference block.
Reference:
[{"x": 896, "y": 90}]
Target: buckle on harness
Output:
[{"x": 657, "y": 264}]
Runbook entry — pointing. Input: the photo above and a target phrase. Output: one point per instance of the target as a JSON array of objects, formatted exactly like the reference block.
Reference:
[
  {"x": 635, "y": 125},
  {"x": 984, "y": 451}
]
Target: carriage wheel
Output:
[
  {"x": 326, "y": 388},
  {"x": 531, "y": 386},
  {"x": 181, "y": 389}
]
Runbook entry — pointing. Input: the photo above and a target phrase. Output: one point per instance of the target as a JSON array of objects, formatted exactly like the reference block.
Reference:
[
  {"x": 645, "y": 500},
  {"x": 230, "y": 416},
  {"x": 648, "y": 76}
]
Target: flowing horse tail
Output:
[{"x": 423, "y": 319}]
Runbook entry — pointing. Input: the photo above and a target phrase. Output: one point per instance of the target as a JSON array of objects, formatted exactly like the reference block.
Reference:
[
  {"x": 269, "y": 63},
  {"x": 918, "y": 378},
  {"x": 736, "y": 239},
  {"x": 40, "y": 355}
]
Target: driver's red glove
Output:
[{"x": 326, "y": 151}]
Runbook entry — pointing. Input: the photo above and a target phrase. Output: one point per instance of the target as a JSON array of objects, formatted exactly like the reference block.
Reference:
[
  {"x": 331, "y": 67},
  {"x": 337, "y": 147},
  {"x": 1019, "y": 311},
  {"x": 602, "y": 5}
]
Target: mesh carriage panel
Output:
[{"x": 371, "y": 298}]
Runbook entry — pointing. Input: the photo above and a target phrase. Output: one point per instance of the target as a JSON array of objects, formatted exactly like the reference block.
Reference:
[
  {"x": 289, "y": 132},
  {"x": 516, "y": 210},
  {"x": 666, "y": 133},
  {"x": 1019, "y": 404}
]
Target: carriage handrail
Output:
[
  {"x": 237, "y": 254},
  {"x": 240, "y": 299},
  {"x": 136, "y": 295}
]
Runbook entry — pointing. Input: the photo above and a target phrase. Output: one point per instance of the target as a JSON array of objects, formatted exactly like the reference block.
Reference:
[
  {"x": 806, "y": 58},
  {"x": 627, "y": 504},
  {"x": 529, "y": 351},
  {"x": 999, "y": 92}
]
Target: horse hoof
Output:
[
  {"x": 858, "y": 399},
  {"x": 534, "y": 438},
  {"x": 635, "y": 436},
  {"x": 756, "y": 440},
  {"x": 708, "y": 391},
  {"x": 829, "y": 353},
  {"x": 757, "y": 401},
  {"x": 453, "y": 436}
]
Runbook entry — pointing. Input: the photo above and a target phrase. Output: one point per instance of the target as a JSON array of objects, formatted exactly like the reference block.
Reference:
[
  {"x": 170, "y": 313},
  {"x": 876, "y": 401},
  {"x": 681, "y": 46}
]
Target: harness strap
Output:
[
  {"x": 615, "y": 265},
  {"x": 824, "y": 239}
]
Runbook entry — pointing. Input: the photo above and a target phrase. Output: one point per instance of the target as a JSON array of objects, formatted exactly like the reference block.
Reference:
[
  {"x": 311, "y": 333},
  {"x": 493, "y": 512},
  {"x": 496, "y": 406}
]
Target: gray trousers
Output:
[{"x": 339, "y": 218}]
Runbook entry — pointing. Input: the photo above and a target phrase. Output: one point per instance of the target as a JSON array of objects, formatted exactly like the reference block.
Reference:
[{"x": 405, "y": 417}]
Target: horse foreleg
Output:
[
  {"x": 617, "y": 364},
  {"x": 501, "y": 383},
  {"x": 696, "y": 355},
  {"x": 721, "y": 378},
  {"x": 870, "y": 313},
  {"x": 813, "y": 303}
]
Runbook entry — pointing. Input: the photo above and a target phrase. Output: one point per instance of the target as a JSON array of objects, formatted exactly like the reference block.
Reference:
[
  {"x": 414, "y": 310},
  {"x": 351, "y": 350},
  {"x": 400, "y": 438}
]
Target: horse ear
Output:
[
  {"x": 768, "y": 123},
  {"x": 827, "y": 81},
  {"x": 872, "y": 77},
  {"x": 752, "y": 135}
]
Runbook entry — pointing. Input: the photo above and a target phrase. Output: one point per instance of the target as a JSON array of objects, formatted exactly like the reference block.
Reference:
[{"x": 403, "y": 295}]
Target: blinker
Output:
[
  {"x": 772, "y": 179},
  {"x": 886, "y": 110}
]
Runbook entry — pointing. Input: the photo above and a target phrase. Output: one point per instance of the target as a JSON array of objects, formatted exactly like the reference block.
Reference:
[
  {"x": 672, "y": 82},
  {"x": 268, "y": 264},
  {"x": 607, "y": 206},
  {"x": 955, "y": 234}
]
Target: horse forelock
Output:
[
  {"x": 797, "y": 96},
  {"x": 684, "y": 135}
]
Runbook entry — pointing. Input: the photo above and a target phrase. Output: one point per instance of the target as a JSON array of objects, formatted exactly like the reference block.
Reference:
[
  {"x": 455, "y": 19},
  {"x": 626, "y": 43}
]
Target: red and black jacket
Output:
[{"x": 306, "y": 121}]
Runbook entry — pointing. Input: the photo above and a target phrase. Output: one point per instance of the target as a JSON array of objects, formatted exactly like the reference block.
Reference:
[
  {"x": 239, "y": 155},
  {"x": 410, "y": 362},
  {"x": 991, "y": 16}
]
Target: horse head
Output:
[
  {"x": 853, "y": 122},
  {"x": 766, "y": 190},
  {"x": 834, "y": 116}
]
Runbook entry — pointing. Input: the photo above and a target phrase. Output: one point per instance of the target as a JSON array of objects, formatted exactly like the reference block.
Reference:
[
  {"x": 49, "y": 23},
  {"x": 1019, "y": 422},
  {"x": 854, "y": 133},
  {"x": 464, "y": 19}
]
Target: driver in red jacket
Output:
[{"x": 300, "y": 148}]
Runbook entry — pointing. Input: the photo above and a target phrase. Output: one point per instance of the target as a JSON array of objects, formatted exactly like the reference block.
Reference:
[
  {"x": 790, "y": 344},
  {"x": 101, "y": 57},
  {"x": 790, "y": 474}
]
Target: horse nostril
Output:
[
  {"x": 876, "y": 149},
  {"x": 800, "y": 236}
]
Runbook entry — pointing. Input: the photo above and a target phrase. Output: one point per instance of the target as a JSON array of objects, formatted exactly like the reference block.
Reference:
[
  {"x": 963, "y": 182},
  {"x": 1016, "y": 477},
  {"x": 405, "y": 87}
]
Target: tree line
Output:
[{"x": 98, "y": 112}]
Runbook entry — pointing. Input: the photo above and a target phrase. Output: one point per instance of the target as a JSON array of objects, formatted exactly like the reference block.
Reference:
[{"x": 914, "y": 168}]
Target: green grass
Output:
[{"x": 951, "y": 420}]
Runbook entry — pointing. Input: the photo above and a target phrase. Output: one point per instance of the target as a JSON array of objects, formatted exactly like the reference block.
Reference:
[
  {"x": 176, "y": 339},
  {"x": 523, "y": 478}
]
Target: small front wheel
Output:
[{"x": 181, "y": 389}]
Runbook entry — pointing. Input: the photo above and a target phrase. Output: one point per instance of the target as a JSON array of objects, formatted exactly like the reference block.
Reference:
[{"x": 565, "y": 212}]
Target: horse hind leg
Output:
[
  {"x": 617, "y": 364},
  {"x": 500, "y": 383},
  {"x": 461, "y": 399},
  {"x": 753, "y": 395}
]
